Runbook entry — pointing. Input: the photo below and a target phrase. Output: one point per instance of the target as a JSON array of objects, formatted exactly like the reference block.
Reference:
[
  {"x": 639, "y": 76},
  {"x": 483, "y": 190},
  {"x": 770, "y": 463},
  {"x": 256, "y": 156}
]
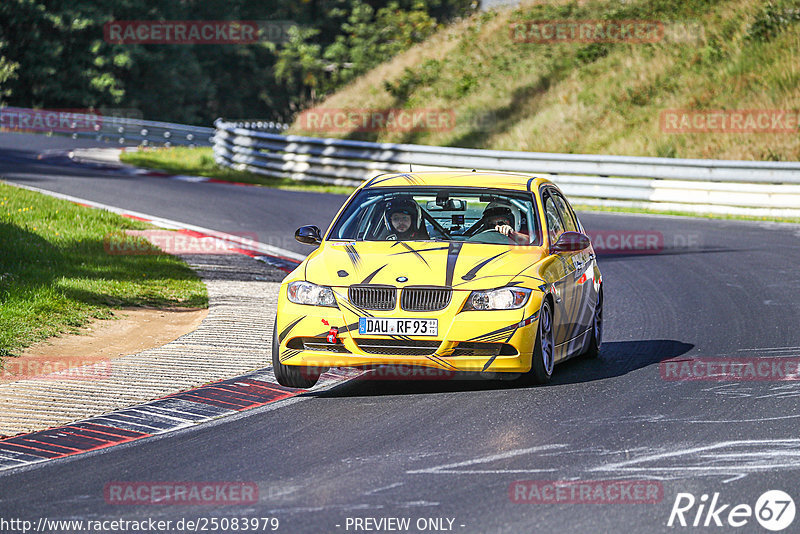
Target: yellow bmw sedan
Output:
[{"x": 465, "y": 272}]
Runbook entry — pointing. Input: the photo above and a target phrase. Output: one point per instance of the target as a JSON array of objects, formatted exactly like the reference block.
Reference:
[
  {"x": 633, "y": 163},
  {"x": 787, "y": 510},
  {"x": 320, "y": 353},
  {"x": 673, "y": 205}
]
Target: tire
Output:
[
  {"x": 543, "y": 359},
  {"x": 292, "y": 376},
  {"x": 596, "y": 337}
]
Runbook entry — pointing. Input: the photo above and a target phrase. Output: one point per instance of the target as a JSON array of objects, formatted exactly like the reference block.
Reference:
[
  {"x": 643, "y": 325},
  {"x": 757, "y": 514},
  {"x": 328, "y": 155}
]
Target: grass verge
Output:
[
  {"x": 55, "y": 273},
  {"x": 699, "y": 215},
  {"x": 575, "y": 97},
  {"x": 200, "y": 162}
]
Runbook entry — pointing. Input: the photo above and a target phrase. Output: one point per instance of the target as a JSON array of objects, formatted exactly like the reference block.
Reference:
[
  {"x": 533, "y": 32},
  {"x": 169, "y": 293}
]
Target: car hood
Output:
[{"x": 467, "y": 266}]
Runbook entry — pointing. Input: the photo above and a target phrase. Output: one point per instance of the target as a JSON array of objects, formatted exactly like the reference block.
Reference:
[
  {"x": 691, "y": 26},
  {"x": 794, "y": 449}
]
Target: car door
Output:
[
  {"x": 563, "y": 270},
  {"x": 581, "y": 306}
]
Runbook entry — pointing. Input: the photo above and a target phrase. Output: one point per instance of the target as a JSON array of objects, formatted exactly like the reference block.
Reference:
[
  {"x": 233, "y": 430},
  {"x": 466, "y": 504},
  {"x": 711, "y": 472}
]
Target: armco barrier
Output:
[
  {"x": 696, "y": 185},
  {"x": 114, "y": 129}
]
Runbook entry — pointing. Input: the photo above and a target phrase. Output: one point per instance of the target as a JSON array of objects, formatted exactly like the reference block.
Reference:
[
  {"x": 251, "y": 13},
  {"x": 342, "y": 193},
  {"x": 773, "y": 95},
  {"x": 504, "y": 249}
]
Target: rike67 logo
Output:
[{"x": 774, "y": 510}]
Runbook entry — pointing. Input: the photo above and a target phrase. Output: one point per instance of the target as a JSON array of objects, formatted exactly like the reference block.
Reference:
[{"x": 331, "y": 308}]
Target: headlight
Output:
[
  {"x": 505, "y": 298},
  {"x": 311, "y": 294}
]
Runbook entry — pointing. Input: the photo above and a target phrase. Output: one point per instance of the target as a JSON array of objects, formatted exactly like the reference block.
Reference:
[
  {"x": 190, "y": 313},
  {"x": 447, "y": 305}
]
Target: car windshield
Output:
[{"x": 440, "y": 214}]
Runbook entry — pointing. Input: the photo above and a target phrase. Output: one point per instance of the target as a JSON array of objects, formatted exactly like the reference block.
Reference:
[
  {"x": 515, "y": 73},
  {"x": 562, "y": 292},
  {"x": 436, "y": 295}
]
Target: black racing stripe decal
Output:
[
  {"x": 522, "y": 323},
  {"x": 409, "y": 178},
  {"x": 445, "y": 352},
  {"x": 286, "y": 330},
  {"x": 474, "y": 279},
  {"x": 352, "y": 253},
  {"x": 511, "y": 334},
  {"x": 472, "y": 272},
  {"x": 434, "y": 358},
  {"x": 531, "y": 277},
  {"x": 416, "y": 251},
  {"x": 369, "y": 278},
  {"x": 495, "y": 333},
  {"x": 375, "y": 180},
  {"x": 352, "y": 308},
  {"x": 386, "y": 179},
  {"x": 452, "y": 256},
  {"x": 489, "y": 362},
  {"x": 411, "y": 250},
  {"x": 351, "y": 327},
  {"x": 496, "y": 338},
  {"x": 439, "y": 358},
  {"x": 517, "y": 282},
  {"x": 285, "y": 355}
]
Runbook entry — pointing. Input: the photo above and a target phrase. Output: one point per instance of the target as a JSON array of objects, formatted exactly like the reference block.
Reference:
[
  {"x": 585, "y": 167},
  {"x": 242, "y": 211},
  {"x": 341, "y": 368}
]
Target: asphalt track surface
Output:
[{"x": 451, "y": 449}]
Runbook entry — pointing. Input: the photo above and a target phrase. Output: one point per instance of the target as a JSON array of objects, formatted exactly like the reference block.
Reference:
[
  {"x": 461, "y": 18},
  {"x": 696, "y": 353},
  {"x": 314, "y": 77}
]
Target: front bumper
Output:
[{"x": 472, "y": 341}]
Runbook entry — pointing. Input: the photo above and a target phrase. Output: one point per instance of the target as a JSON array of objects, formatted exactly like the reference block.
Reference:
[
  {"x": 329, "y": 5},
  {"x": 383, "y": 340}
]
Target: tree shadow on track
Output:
[{"x": 617, "y": 358}]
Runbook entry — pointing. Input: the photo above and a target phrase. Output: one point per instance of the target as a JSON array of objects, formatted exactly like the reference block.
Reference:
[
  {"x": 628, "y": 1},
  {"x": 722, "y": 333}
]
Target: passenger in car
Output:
[{"x": 500, "y": 218}]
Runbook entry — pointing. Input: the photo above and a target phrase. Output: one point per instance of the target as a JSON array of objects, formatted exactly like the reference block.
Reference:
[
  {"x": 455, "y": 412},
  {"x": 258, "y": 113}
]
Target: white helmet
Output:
[{"x": 503, "y": 205}]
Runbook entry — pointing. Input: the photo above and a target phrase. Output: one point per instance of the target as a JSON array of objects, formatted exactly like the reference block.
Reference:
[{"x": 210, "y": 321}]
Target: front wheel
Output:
[
  {"x": 543, "y": 359},
  {"x": 292, "y": 376}
]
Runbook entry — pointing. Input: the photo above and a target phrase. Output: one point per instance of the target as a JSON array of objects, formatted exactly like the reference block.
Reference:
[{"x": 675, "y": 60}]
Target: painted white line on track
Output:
[{"x": 453, "y": 468}]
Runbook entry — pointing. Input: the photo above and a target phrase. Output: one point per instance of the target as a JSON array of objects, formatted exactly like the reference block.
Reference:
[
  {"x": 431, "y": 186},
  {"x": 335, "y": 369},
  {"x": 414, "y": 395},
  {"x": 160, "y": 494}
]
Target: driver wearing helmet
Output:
[
  {"x": 500, "y": 218},
  {"x": 403, "y": 218}
]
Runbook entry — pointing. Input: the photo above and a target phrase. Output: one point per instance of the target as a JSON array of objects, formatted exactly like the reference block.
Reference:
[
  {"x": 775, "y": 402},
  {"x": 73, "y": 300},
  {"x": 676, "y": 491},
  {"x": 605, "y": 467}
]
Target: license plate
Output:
[{"x": 399, "y": 327}]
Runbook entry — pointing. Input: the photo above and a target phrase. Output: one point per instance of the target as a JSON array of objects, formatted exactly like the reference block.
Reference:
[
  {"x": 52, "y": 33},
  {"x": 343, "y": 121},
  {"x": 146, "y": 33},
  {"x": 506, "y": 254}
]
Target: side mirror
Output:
[
  {"x": 570, "y": 242},
  {"x": 308, "y": 235}
]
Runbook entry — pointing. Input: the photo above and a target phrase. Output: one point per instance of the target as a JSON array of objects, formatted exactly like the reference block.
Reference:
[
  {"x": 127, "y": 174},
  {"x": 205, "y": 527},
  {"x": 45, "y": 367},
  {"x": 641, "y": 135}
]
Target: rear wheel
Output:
[
  {"x": 292, "y": 376},
  {"x": 543, "y": 359},
  {"x": 596, "y": 335}
]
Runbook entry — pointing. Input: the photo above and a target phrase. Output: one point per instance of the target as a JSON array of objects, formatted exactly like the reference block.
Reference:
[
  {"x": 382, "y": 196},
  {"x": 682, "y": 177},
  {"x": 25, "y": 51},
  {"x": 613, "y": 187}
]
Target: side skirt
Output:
[{"x": 573, "y": 347}]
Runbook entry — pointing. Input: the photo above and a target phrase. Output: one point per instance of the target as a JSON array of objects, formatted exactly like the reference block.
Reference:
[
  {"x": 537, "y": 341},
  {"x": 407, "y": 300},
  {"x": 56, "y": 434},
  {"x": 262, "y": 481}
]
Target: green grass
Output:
[
  {"x": 597, "y": 98},
  {"x": 200, "y": 162},
  {"x": 701, "y": 215},
  {"x": 55, "y": 275}
]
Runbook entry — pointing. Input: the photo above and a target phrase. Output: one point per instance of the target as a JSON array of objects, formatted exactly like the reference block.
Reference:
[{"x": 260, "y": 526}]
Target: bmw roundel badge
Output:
[{"x": 402, "y": 279}]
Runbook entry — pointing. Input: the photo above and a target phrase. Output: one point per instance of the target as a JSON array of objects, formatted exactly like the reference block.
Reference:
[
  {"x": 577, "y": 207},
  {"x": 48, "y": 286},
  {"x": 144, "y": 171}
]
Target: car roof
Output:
[{"x": 500, "y": 180}]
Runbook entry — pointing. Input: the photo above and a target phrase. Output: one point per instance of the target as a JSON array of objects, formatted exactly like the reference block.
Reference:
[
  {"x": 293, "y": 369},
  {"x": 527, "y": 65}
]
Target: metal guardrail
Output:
[
  {"x": 124, "y": 131},
  {"x": 114, "y": 129},
  {"x": 120, "y": 130},
  {"x": 721, "y": 186}
]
